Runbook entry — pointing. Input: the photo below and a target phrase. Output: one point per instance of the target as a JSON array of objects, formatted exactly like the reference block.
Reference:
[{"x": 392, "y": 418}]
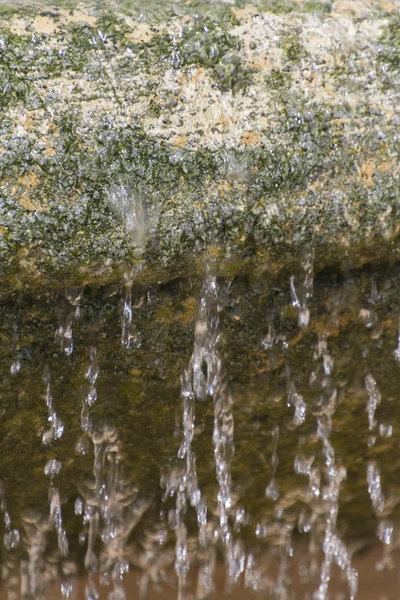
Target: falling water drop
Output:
[{"x": 15, "y": 367}]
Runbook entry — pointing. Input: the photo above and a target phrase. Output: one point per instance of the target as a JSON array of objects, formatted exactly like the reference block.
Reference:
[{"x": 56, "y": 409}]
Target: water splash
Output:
[
  {"x": 203, "y": 379},
  {"x": 11, "y": 541},
  {"x": 35, "y": 572},
  {"x": 335, "y": 550},
  {"x": 198, "y": 381},
  {"x": 385, "y": 533},
  {"x": 307, "y": 264},
  {"x": 135, "y": 211},
  {"x": 186, "y": 452},
  {"x": 208, "y": 380},
  {"x": 139, "y": 214}
]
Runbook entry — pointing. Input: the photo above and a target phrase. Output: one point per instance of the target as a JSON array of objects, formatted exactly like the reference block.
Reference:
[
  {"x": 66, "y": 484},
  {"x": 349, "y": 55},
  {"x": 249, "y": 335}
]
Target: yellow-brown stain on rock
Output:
[
  {"x": 198, "y": 74},
  {"x": 169, "y": 313},
  {"x": 180, "y": 141},
  {"x": 367, "y": 172},
  {"x": 77, "y": 16},
  {"x": 224, "y": 123},
  {"x": 245, "y": 13},
  {"x": 42, "y": 24},
  {"x": 141, "y": 33},
  {"x": 318, "y": 184},
  {"x": 49, "y": 151},
  {"x": 27, "y": 121},
  {"x": 251, "y": 138},
  {"x": 386, "y": 166},
  {"x": 47, "y": 25},
  {"x": 24, "y": 188},
  {"x": 224, "y": 190},
  {"x": 387, "y": 5},
  {"x": 135, "y": 372},
  {"x": 260, "y": 63}
]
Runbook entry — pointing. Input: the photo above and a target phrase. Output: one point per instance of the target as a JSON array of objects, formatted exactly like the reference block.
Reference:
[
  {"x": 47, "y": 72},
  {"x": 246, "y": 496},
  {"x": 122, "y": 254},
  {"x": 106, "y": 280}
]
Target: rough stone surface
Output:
[{"x": 146, "y": 133}]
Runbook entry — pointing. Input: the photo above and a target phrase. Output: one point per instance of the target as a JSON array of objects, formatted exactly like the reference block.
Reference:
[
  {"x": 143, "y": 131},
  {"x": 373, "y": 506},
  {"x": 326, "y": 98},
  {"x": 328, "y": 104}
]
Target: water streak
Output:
[
  {"x": 128, "y": 333},
  {"x": 111, "y": 508},
  {"x": 295, "y": 400},
  {"x": 56, "y": 425},
  {"x": 374, "y": 399},
  {"x": 272, "y": 489},
  {"x": 68, "y": 312},
  {"x": 335, "y": 550},
  {"x": 305, "y": 288},
  {"x": 52, "y": 469},
  {"x": 375, "y": 487}
]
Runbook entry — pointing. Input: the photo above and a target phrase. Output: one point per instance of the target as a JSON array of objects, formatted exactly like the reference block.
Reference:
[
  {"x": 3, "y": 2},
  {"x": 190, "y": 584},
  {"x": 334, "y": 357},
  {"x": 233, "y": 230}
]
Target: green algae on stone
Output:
[
  {"x": 278, "y": 80},
  {"x": 292, "y": 48},
  {"x": 390, "y": 53}
]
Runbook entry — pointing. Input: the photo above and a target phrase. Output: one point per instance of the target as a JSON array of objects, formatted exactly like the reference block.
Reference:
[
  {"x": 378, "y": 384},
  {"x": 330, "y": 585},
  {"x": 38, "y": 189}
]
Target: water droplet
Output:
[
  {"x": 52, "y": 468},
  {"x": 15, "y": 367}
]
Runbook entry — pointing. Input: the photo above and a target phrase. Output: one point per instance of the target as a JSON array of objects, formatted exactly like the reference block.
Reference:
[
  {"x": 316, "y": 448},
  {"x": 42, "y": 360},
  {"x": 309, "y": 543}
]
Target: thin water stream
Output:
[{"x": 242, "y": 436}]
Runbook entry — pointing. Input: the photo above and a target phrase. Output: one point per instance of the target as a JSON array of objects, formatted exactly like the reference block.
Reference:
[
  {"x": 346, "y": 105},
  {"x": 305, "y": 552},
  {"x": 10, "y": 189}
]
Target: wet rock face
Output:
[
  {"x": 240, "y": 126},
  {"x": 220, "y": 415}
]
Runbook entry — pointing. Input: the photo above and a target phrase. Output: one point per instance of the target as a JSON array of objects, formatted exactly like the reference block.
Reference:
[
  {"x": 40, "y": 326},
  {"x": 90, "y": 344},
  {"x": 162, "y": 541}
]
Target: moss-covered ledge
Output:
[{"x": 153, "y": 133}]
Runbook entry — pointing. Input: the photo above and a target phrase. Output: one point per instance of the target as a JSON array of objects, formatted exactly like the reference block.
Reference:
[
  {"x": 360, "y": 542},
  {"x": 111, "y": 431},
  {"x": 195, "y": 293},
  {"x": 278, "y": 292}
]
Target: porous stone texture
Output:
[{"x": 136, "y": 131}]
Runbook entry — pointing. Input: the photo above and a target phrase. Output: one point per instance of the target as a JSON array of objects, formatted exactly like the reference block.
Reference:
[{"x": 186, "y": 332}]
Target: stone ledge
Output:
[{"x": 130, "y": 135}]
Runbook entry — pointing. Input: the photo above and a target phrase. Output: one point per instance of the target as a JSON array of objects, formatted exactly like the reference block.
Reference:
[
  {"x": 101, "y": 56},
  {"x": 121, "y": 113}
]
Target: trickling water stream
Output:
[{"x": 249, "y": 442}]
